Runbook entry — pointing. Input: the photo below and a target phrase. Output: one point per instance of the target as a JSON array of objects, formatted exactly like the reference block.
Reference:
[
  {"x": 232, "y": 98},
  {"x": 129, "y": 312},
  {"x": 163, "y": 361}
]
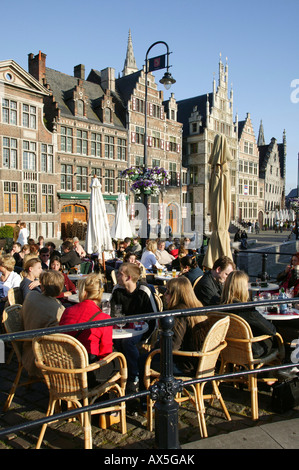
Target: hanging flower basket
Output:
[{"x": 148, "y": 182}]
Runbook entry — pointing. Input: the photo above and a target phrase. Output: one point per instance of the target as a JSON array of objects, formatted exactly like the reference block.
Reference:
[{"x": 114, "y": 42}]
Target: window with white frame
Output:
[
  {"x": 9, "y": 159},
  {"x": 66, "y": 177},
  {"x": 9, "y": 111},
  {"x": 29, "y": 155},
  {"x": 109, "y": 181},
  {"x": 29, "y": 116},
  {"x": 47, "y": 158},
  {"x": 81, "y": 142},
  {"x": 121, "y": 149},
  {"x": 95, "y": 146},
  {"x": 109, "y": 147},
  {"x": 81, "y": 178},
  {"x": 121, "y": 183},
  {"x": 66, "y": 139}
]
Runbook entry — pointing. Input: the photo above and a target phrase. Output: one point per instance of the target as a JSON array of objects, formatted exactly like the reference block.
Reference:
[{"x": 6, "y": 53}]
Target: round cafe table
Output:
[
  {"x": 129, "y": 332},
  {"x": 255, "y": 290},
  {"x": 75, "y": 297},
  {"x": 292, "y": 315}
]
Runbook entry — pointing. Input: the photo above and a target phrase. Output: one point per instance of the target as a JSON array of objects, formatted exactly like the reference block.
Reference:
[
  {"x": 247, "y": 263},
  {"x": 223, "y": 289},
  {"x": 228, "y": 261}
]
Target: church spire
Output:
[
  {"x": 261, "y": 138},
  {"x": 130, "y": 62}
]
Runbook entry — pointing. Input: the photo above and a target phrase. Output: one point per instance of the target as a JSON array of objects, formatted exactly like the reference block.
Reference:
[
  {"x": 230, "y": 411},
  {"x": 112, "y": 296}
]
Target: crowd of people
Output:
[{"x": 46, "y": 288}]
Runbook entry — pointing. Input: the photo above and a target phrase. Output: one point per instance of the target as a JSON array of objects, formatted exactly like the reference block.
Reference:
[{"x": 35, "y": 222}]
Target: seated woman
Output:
[
  {"x": 190, "y": 268},
  {"x": 8, "y": 278},
  {"x": 41, "y": 310},
  {"x": 25, "y": 250},
  {"x": 97, "y": 341},
  {"x": 288, "y": 278},
  {"x": 148, "y": 258},
  {"x": 31, "y": 273},
  {"x": 235, "y": 290},
  {"x": 188, "y": 332},
  {"x": 69, "y": 287}
]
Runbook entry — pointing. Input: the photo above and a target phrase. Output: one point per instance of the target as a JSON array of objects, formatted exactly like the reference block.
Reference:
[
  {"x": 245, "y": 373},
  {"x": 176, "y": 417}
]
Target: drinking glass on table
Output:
[
  {"x": 119, "y": 314},
  {"x": 265, "y": 296}
]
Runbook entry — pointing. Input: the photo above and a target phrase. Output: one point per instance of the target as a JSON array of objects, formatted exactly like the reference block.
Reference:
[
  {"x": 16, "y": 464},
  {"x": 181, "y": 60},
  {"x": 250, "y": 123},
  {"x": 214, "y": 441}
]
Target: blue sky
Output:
[{"x": 259, "y": 38}]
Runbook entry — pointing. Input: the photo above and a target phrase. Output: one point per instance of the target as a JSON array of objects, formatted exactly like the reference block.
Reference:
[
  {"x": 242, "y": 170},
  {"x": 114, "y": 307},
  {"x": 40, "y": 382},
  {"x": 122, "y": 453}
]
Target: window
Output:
[
  {"x": 155, "y": 162},
  {"x": 172, "y": 144},
  {"x": 82, "y": 142},
  {"x": 109, "y": 181},
  {"x": 81, "y": 178},
  {"x": 10, "y": 197},
  {"x": 139, "y": 105},
  {"x": 156, "y": 111},
  {"x": 121, "y": 149},
  {"x": 173, "y": 181},
  {"x": 95, "y": 144},
  {"x": 9, "y": 112},
  {"x": 29, "y": 116},
  {"x": 66, "y": 139},
  {"x": 193, "y": 175},
  {"x": 97, "y": 172},
  {"x": 47, "y": 158},
  {"x": 67, "y": 177},
  {"x": 9, "y": 153},
  {"x": 109, "y": 147},
  {"x": 121, "y": 184},
  {"x": 193, "y": 147},
  {"x": 30, "y": 198},
  {"x": 47, "y": 198},
  {"x": 156, "y": 139},
  {"x": 139, "y": 161},
  {"x": 245, "y": 166},
  {"x": 29, "y": 155},
  {"x": 241, "y": 166},
  {"x": 248, "y": 147},
  {"x": 240, "y": 186},
  {"x": 139, "y": 135}
]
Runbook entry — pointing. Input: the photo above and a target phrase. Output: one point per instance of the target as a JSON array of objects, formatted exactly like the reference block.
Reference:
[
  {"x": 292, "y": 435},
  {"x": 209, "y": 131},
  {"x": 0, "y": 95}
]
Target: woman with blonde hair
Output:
[
  {"x": 235, "y": 290},
  {"x": 189, "y": 332},
  {"x": 148, "y": 258},
  {"x": 8, "y": 278},
  {"x": 97, "y": 341}
]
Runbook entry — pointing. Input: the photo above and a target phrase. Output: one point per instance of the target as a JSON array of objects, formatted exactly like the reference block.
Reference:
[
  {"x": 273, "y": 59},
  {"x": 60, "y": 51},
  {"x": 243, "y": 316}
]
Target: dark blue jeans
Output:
[{"x": 128, "y": 346}]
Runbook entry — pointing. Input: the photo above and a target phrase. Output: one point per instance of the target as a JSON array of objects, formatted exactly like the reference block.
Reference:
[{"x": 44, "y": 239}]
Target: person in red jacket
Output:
[
  {"x": 69, "y": 287},
  {"x": 97, "y": 341}
]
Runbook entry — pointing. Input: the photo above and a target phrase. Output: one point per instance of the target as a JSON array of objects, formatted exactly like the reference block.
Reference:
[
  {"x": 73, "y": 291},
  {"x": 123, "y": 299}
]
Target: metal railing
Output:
[{"x": 165, "y": 390}]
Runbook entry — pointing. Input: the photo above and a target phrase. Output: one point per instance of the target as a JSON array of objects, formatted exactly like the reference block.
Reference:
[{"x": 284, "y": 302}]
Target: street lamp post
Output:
[
  {"x": 166, "y": 427},
  {"x": 167, "y": 80}
]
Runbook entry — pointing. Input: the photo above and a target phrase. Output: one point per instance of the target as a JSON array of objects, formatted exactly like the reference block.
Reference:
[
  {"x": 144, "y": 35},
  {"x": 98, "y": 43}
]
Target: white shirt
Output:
[
  {"x": 13, "y": 280},
  {"x": 23, "y": 236}
]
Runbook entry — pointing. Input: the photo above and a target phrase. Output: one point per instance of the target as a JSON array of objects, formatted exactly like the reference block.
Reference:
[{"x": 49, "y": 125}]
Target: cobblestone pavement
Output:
[{"x": 31, "y": 404}]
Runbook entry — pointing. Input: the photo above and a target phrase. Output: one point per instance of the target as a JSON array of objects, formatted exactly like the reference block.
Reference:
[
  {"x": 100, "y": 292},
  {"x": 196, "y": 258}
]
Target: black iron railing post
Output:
[
  {"x": 164, "y": 392},
  {"x": 264, "y": 275}
]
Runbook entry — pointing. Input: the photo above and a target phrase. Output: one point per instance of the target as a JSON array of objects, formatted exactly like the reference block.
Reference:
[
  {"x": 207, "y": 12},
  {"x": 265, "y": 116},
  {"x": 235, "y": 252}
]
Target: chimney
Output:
[
  {"x": 37, "y": 66},
  {"x": 108, "y": 79},
  {"x": 79, "y": 71}
]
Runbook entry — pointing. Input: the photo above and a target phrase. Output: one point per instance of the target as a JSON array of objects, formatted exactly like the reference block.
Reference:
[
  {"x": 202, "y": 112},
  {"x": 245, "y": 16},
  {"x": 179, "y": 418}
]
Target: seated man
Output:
[
  {"x": 209, "y": 289},
  {"x": 135, "y": 299},
  {"x": 44, "y": 256},
  {"x": 163, "y": 256},
  {"x": 69, "y": 257}
]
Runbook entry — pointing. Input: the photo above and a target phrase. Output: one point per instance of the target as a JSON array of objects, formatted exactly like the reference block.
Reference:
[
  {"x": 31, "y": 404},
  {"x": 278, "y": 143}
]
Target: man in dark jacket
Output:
[
  {"x": 209, "y": 288},
  {"x": 135, "y": 299},
  {"x": 69, "y": 257}
]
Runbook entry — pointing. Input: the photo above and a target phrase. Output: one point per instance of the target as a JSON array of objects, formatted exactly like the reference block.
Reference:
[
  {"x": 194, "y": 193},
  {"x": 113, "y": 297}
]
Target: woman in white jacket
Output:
[
  {"x": 23, "y": 234},
  {"x": 8, "y": 278}
]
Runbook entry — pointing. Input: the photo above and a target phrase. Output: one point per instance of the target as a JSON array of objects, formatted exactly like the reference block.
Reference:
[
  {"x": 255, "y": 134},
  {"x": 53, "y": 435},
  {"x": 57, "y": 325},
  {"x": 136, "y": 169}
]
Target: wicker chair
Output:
[
  {"x": 196, "y": 281},
  {"x": 63, "y": 361},
  {"x": 13, "y": 323},
  {"x": 214, "y": 343},
  {"x": 15, "y": 296},
  {"x": 238, "y": 353}
]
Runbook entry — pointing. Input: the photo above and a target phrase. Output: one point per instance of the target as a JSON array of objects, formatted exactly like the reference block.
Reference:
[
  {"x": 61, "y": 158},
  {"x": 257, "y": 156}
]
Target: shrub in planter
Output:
[{"x": 6, "y": 231}]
